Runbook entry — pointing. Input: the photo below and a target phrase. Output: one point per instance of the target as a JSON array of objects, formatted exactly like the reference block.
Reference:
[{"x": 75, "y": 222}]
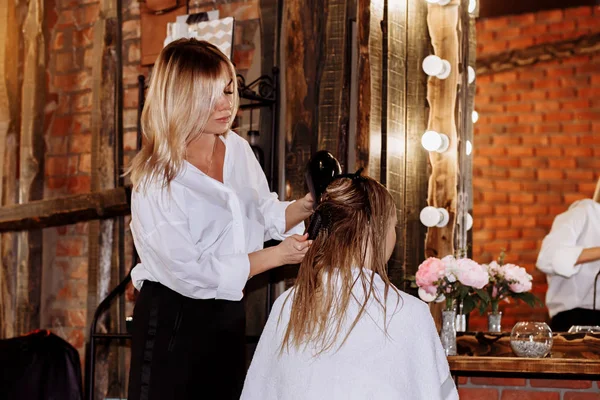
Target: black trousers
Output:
[
  {"x": 185, "y": 348},
  {"x": 562, "y": 321}
]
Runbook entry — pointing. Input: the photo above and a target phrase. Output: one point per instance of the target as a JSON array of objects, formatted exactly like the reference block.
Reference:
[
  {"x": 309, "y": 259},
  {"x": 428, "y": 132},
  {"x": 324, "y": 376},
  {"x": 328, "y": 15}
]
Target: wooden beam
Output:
[
  {"x": 506, "y": 61},
  {"x": 65, "y": 210},
  {"x": 10, "y": 104},
  {"x": 103, "y": 271},
  {"x": 29, "y": 245}
]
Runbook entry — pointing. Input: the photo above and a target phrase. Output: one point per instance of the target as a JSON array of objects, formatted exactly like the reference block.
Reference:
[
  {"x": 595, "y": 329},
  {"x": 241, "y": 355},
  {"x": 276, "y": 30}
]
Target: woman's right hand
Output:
[{"x": 293, "y": 249}]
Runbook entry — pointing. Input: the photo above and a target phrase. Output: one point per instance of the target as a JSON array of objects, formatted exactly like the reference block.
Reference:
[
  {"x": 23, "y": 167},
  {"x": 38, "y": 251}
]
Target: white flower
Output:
[
  {"x": 425, "y": 296},
  {"x": 451, "y": 268}
]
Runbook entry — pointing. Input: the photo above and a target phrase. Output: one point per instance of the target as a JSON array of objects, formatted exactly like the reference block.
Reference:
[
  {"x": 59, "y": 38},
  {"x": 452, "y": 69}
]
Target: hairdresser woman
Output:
[{"x": 201, "y": 210}]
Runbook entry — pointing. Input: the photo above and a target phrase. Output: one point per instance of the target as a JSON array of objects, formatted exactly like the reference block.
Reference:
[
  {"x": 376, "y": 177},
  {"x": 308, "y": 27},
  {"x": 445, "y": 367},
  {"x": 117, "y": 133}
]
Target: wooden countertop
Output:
[{"x": 482, "y": 353}]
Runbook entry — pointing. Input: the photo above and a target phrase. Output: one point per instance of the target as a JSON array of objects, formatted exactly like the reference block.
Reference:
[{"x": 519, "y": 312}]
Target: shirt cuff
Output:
[
  {"x": 565, "y": 259},
  {"x": 234, "y": 275},
  {"x": 277, "y": 222}
]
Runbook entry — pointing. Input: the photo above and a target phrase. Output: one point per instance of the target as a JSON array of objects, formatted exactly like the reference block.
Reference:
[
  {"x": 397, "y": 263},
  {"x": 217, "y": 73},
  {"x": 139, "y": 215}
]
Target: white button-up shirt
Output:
[
  {"x": 195, "y": 238},
  {"x": 406, "y": 363},
  {"x": 571, "y": 286}
]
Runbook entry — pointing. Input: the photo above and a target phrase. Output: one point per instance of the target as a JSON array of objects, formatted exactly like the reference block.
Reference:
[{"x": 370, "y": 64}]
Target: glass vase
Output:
[
  {"x": 448, "y": 334},
  {"x": 495, "y": 321},
  {"x": 531, "y": 339}
]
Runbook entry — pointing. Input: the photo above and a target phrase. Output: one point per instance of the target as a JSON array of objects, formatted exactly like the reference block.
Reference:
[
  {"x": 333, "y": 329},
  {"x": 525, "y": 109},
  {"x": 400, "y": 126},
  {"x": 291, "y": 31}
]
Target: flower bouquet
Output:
[
  {"x": 506, "y": 281},
  {"x": 455, "y": 281},
  {"x": 452, "y": 280}
]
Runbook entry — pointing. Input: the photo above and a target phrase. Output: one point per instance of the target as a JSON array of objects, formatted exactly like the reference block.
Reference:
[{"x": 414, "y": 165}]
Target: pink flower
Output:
[
  {"x": 430, "y": 271},
  {"x": 472, "y": 274},
  {"x": 518, "y": 278}
]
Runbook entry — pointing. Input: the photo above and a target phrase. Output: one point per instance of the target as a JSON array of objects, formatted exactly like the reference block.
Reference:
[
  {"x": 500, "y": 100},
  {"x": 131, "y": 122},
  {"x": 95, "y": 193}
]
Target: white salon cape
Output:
[
  {"x": 409, "y": 363},
  {"x": 195, "y": 238},
  {"x": 571, "y": 286}
]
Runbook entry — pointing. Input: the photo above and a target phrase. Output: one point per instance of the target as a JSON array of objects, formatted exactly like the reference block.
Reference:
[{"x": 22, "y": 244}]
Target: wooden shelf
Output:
[
  {"x": 573, "y": 355},
  {"x": 467, "y": 365}
]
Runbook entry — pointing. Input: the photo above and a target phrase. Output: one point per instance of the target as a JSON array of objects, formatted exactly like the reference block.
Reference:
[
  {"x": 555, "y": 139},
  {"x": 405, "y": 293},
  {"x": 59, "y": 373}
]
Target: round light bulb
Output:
[
  {"x": 475, "y": 116},
  {"x": 472, "y": 6},
  {"x": 432, "y": 216},
  {"x": 434, "y": 141},
  {"x": 435, "y": 66},
  {"x": 471, "y": 73},
  {"x": 431, "y": 140},
  {"x": 469, "y": 148},
  {"x": 469, "y": 221}
]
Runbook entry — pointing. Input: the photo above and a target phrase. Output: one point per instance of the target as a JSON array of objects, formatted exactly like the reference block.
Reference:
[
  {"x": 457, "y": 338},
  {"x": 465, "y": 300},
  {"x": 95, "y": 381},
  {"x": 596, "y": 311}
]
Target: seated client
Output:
[{"x": 344, "y": 331}]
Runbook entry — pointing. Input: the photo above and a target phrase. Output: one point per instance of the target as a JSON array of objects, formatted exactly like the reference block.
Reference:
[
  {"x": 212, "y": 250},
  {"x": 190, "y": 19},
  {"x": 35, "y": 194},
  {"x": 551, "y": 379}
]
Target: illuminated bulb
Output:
[
  {"x": 469, "y": 148},
  {"x": 472, "y": 6},
  {"x": 434, "y": 141},
  {"x": 432, "y": 216},
  {"x": 469, "y": 221},
  {"x": 471, "y": 73},
  {"x": 440, "y": 2},
  {"x": 435, "y": 66},
  {"x": 475, "y": 116}
]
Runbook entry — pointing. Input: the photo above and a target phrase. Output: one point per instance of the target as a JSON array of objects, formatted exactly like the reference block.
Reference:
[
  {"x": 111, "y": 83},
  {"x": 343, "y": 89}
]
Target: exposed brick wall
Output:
[
  {"x": 527, "y": 389},
  {"x": 68, "y": 138},
  {"x": 67, "y": 166},
  {"x": 536, "y": 145}
]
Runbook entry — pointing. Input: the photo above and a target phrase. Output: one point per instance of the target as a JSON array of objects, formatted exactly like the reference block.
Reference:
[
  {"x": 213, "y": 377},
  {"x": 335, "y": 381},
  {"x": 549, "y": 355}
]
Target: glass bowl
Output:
[{"x": 531, "y": 339}]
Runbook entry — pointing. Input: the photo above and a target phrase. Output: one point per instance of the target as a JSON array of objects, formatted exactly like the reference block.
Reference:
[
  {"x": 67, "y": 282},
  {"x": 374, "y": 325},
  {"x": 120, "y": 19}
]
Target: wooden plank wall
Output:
[
  {"x": 391, "y": 102},
  {"x": 10, "y": 105},
  {"x": 103, "y": 271},
  {"x": 31, "y": 146}
]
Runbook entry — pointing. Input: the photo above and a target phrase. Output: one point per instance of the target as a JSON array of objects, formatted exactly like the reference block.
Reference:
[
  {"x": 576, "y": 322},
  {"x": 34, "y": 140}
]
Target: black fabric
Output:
[
  {"x": 39, "y": 366},
  {"x": 562, "y": 321},
  {"x": 185, "y": 348}
]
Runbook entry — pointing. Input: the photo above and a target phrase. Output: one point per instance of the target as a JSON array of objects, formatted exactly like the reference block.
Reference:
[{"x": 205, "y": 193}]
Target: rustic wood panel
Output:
[
  {"x": 29, "y": 244},
  {"x": 370, "y": 90},
  {"x": 441, "y": 95},
  {"x": 101, "y": 237},
  {"x": 363, "y": 115},
  {"x": 10, "y": 104},
  {"x": 394, "y": 120},
  {"x": 509, "y": 60},
  {"x": 331, "y": 80},
  {"x": 416, "y": 158},
  {"x": 302, "y": 28},
  {"x": 65, "y": 210}
]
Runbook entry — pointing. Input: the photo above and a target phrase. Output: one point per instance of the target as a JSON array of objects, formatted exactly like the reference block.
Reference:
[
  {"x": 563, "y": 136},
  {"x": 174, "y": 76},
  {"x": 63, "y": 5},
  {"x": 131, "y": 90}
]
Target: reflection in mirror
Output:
[{"x": 536, "y": 148}]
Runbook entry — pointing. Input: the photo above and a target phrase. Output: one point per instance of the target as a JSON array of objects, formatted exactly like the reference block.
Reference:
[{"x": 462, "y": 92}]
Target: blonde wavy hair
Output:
[
  {"x": 187, "y": 80},
  {"x": 358, "y": 210}
]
